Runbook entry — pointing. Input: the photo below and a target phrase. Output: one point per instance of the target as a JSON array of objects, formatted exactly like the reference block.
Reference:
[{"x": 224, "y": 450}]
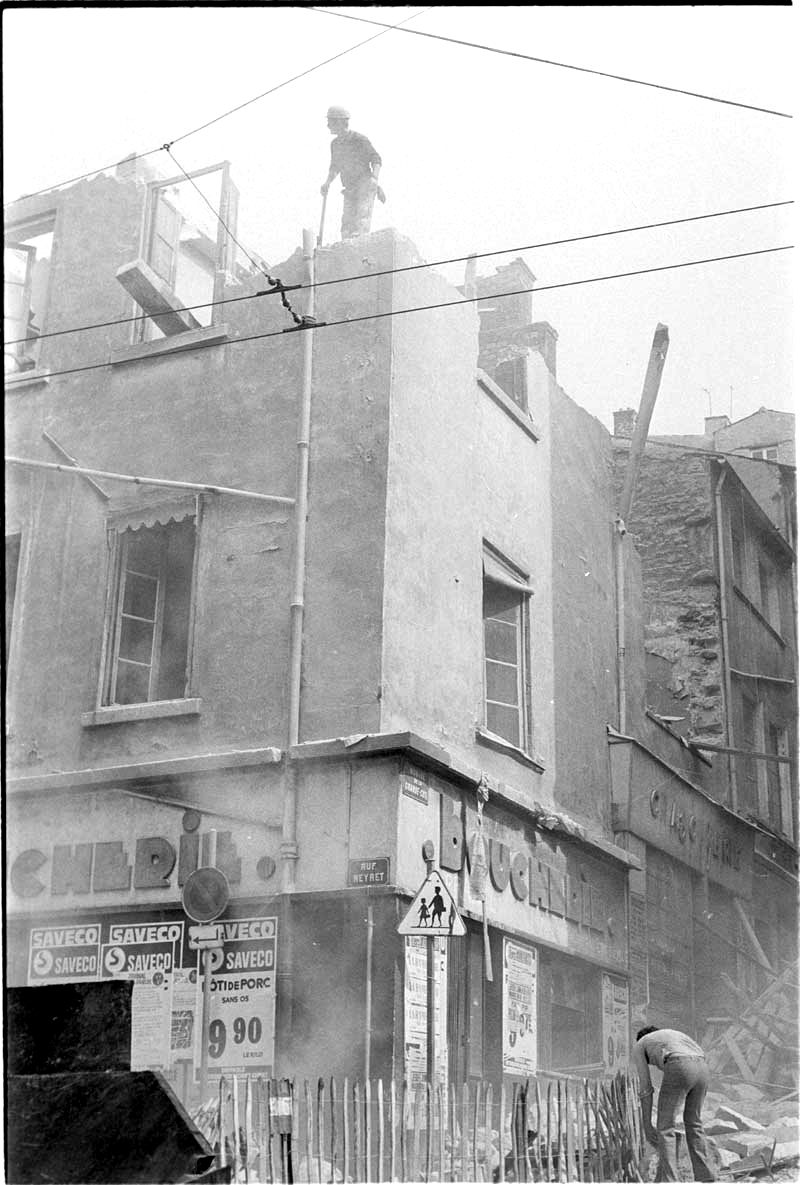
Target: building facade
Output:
[
  {"x": 304, "y": 682},
  {"x": 711, "y": 808}
]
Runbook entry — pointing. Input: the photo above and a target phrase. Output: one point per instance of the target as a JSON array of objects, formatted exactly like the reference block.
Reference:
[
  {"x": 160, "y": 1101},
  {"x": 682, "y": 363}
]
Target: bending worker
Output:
[
  {"x": 684, "y": 1085},
  {"x": 356, "y": 161}
]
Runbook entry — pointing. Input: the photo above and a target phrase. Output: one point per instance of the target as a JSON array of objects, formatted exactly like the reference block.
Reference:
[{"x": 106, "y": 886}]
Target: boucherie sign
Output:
[
  {"x": 112, "y": 848},
  {"x": 552, "y": 890}
]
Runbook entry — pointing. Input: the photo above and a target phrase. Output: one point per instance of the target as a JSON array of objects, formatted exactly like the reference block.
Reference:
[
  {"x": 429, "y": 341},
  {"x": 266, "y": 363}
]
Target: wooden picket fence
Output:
[{"x": 548, "y": 1129}]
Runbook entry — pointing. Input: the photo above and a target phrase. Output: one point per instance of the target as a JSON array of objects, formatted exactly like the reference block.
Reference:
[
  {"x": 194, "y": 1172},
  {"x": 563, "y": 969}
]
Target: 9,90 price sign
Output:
[{"x": 241, "y": 1030}]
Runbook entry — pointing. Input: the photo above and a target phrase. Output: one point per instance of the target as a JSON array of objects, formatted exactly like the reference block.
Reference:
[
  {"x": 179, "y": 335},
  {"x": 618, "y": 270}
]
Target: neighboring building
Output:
[
  {"x": 459, "y": 660},
  {"x": 715, "y": 536}
]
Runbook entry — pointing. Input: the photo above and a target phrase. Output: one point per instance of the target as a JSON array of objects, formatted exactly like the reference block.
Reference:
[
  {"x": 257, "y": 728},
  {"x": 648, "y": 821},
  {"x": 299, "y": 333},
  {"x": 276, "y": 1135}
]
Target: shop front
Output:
[
  {"x": 94, "y": 893},
  {"x": 540, "y": 982},
  {"x": 692, "y": 903}
]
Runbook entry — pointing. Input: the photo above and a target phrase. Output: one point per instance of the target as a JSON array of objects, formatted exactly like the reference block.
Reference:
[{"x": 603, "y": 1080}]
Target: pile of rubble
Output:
[{"x": 752, "y": 1136}]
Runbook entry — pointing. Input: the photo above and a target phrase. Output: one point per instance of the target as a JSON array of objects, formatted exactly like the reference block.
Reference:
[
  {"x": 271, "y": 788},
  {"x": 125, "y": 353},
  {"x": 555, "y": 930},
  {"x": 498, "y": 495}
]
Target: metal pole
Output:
[
  {"x": 430, "y": 1010},
  {"x": 82, "y": 471},
  {"x": 210, "y": 862},
  {"x": 368, "y": 1004}
]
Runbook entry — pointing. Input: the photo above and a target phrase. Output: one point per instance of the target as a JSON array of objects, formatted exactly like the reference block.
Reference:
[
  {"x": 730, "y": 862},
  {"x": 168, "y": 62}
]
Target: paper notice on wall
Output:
[
  {"x": 416, "y": 1011},
  {"x": 519, "y": 1008},
  {"x": 151, "y": 1015},
  {"x": 184, "y": 1037},
  {"x": 615, "y": 1023}
]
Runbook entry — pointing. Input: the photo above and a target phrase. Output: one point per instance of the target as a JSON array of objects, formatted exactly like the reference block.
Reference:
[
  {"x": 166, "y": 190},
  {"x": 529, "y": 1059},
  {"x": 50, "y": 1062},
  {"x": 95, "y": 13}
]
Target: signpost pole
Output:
[
  {"x": 368, "y": 1001},
  {"x": 431, "y": 968},
  {"x": 211, "y": 861}
]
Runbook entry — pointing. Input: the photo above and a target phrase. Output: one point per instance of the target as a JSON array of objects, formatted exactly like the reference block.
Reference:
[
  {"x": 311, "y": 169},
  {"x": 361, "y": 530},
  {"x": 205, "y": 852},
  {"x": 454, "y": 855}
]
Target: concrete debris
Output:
[
  {"x": 744, "y": 1145},
  {"x": 741, "y": 1122}
]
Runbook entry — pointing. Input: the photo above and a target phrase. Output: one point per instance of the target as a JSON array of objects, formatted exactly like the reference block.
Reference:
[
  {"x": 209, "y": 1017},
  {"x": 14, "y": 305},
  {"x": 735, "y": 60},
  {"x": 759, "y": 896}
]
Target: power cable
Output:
[
  {"x": 412, "y": 267},
  {"x": 549, "y": 62},
  {"x": 451, "y": 303},
  {"x": 225, "y": 114}
]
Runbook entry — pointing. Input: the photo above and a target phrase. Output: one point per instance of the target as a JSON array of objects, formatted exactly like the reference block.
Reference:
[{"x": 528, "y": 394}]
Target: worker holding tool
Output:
[
  {"x": 685, "y": 1083},
  {"x": 356, "y": 161}
]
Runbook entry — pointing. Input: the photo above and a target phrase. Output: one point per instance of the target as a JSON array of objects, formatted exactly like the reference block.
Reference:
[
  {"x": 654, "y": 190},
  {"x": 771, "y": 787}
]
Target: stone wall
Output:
[{"x": 672, "y": 526}]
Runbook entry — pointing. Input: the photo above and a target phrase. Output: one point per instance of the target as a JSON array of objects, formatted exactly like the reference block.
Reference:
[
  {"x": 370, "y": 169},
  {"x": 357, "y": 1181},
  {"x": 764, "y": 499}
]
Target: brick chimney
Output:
[
  {"x": 542, "y": 338},
  {"x": 625, "y": 422},
  {"x": 716, "y": 423}
]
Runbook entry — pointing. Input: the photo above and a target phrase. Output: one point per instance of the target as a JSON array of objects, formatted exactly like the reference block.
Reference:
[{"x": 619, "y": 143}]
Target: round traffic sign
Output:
[{"x": 206, "y": 894}]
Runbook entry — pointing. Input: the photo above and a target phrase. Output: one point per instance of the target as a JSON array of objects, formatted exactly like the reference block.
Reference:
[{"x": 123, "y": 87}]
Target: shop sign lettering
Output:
[
  {"x": 84, "y": 868},
  {"x": 704, "y": 839},
  {"x": 525, "y": 875}
]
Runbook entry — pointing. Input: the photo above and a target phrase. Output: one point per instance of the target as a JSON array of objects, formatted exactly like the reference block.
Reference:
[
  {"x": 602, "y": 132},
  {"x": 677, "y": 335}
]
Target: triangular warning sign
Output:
[{"x": 433, "y": 912}]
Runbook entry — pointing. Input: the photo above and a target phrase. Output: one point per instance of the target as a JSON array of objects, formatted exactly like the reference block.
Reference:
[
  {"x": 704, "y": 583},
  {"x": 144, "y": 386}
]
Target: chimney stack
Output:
[
  {"x": 625, "y": 422},
  {"x": 715, "y": 423}
]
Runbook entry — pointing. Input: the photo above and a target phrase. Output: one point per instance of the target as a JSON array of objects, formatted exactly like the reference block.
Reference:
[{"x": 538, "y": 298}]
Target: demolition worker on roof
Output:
[{"x": 354, "y": 159}]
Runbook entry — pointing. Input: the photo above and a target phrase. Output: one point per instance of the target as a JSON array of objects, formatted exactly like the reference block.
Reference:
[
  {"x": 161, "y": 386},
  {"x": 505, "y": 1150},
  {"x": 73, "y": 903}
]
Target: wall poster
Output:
[
  {"x": 616, "y": 1034},
  {"x": 519, "y": 1008}
]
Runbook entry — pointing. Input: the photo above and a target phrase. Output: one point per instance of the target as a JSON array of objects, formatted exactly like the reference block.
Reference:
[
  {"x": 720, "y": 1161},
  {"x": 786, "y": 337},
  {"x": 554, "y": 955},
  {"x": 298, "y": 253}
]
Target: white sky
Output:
[{"x": 481, "y": 152}]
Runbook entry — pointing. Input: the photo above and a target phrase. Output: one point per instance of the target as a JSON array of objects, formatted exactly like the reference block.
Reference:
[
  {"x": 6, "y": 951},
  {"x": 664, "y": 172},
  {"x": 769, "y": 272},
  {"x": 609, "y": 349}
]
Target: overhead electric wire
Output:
[
  {"x": 412, "y": 267},
  {"x": 225, "y": 114},
  {"x": 564, "y": 65},
  {"x": 446, "y": 304}
]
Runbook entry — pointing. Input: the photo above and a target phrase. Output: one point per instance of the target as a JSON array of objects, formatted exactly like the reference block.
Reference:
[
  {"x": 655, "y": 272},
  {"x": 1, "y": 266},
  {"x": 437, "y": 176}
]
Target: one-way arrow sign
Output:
[{"x": 433, "y": 912}]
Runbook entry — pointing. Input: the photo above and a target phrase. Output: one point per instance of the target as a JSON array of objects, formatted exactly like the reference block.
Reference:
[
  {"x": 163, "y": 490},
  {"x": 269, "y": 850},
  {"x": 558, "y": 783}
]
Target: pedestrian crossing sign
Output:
[{"x": 433, "y": 912}]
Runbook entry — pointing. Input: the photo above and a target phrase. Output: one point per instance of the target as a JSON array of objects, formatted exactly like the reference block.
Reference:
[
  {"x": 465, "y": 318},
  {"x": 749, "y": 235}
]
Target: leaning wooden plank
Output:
[
  {"x": 441, "y": 1112},
  {"x": 320, "y": 1126},
  {"x": 569, "y": 1131},
  {"x": 464, "y": 1131},
  {"x": 579, "y": 1133},
  {"x": 513, "y": 1131},
  {"x": 334, "y": 1128},
  {"x": 367, "y": 1131},
  {"x": 308, "y": 1128},
  {"x": 358, "y": 1131},
  {"x": 537, "y": 1146},
  {"x": 549, "y": 1144},
  {"x": 156, "y": 298},
  {"x": 381, "y": 1121},
  {"x": 418, "y": 1115},
  {"x": 346, "y": 1130},
  {"x": 235, "y": 1126},
  {"x": 487, "y": 1137},
  {"x": 526, "y": 1127},
  {"x": 501, "y": 1129},
  {"x": 248, "y": 1127},
  {"x": 737, "y": 1056},
  {"x": 392, "y": 1131}
]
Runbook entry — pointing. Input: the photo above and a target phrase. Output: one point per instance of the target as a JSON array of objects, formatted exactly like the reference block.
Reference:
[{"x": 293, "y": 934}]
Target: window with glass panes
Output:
[
  {"x": 151, "y": 613},
  {"x": 505, "y": 627}
]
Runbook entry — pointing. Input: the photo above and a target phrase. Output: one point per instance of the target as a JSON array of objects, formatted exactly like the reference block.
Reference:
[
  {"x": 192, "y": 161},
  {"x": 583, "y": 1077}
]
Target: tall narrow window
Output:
[
  {"x": 149, "y": 630},
  {"x": 512, "y": 376},
  {"x": 779, "y": 799},
  {"x": 26, "y": 262},
  {"x": 747, "y": 767},
  {"x": 505, "y": 645}
]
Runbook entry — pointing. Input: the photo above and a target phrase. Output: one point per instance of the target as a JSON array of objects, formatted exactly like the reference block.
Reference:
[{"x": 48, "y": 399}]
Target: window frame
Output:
[
  {"x": 225, "y": 253},
  {"x": 498, "y": 570},
  {"x": 156, "y": 514},
  {"x": 16, "y": 237}
]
